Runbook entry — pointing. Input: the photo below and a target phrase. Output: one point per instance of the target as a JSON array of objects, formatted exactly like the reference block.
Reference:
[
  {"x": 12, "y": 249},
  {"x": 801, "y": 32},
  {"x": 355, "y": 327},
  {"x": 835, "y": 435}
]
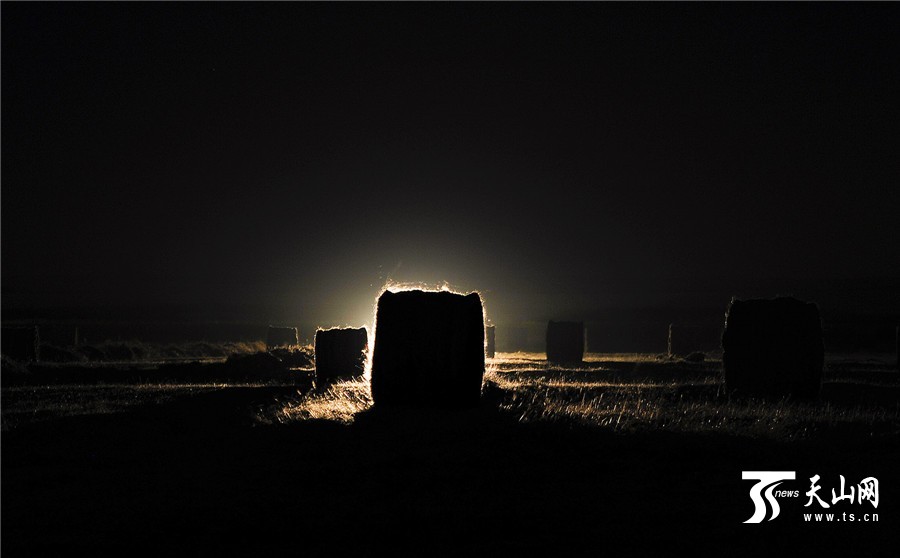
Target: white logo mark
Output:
[{"x": 768, "y": 480}]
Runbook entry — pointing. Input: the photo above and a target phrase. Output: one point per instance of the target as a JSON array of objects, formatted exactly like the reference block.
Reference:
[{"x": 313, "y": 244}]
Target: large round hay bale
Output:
[
  {"x": 429, "y": 349},
  {"x": 490, "y": 333},
  {"x": 773, "y": 348},
  {"x": 21, "y": 344},
  {"x": 565, "y": 341},
  {"x": 340, "y": 354},
  {"x": 281, "y": 337}
]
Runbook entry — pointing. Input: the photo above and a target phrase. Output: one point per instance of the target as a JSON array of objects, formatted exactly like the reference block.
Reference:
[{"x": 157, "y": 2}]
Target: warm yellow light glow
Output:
[
  {"x": 400, "y": 286},
  {"x": 397, "y": 287}
]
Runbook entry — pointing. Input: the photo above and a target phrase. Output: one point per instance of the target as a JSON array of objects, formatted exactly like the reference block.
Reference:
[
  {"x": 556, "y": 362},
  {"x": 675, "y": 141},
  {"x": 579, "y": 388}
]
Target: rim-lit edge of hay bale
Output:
[
  {"x": 565, "y": 342},
  {"x": 773, "y": 348},
  {"x": 428, "y": 349},
  {"x": 281, "y": 337},
  {"x": 340, "y": 354}
]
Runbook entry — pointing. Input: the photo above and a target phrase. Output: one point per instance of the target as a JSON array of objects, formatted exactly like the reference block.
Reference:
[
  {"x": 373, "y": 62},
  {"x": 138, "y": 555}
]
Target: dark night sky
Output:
[{"x": 285, "y": 159}]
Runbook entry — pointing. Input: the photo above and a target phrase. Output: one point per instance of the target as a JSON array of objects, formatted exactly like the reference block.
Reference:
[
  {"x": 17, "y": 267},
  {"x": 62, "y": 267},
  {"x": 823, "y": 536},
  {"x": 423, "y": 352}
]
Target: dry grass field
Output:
[{"x": 621, "y": 453}]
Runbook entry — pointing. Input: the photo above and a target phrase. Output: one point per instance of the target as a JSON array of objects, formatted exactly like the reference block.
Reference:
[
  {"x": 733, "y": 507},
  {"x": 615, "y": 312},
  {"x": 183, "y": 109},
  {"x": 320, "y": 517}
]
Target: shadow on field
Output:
[
  {"x": 283, "y": 366},
  {"x": 202, "y": 473},
  {"x": 850, "y": 394}
]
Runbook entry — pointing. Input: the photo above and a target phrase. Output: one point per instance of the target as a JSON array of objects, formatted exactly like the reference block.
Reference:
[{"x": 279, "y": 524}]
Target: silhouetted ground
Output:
[
  {"x": 291, "y": 366},
  {"x": 591, "y": 459}
]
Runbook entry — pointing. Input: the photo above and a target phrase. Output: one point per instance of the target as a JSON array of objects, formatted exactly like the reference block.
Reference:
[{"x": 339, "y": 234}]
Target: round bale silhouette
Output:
[
  {"x": 565, "y": 341},
  {"x": 429, "y": 349},
  {"x": 773, "y": 348},
  {"x": 340, "y": 354}
]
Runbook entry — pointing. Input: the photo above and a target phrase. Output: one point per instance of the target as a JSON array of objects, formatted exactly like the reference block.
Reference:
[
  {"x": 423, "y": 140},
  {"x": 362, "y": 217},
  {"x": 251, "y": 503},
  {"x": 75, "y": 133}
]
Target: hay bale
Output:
[
  {"x": 490, "y": 334},
  {"x": 773, "y": 348},
  {"x": 429, "y": 349},
  {"x": 696, "y": 356},
  {"x": 340, "y": 354},
  {"x": 281, "y": 337},
  {"x": 565, "y": 341},
  {"x": 22, "y": 344}
]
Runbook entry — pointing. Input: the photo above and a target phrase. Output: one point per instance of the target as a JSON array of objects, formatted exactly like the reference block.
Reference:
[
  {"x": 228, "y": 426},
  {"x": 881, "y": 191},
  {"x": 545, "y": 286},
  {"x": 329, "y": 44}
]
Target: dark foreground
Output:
[{"x": 201, "y": 472}]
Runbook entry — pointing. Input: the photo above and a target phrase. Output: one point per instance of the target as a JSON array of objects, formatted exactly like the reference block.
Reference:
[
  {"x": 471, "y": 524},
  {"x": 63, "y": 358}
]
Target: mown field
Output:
[{"x": 624, "y": 453}]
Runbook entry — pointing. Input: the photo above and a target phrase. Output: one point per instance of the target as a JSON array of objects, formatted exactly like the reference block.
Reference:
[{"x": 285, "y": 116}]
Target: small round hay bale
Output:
[
  {"x": 773, "y": 348},
  {"x": 696, "y": 356},
  {"x": 340, "y": 354},
  {"x": 565, "y": 342}
]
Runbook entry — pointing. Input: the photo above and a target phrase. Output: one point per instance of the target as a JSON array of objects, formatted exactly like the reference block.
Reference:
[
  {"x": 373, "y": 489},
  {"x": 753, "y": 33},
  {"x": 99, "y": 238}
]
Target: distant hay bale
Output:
[
  {"x": 490, "y": 334},
  {"x": 565, "y": 341},
  {"x": 696, "y": 356},
  {"x": 281, "y": 337},
  {"x": 773, "y": 348},
  {"x": 22, "y": 344},
  {"x": 429, "y": 349},
  {"x": 340, "y": 354}
]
